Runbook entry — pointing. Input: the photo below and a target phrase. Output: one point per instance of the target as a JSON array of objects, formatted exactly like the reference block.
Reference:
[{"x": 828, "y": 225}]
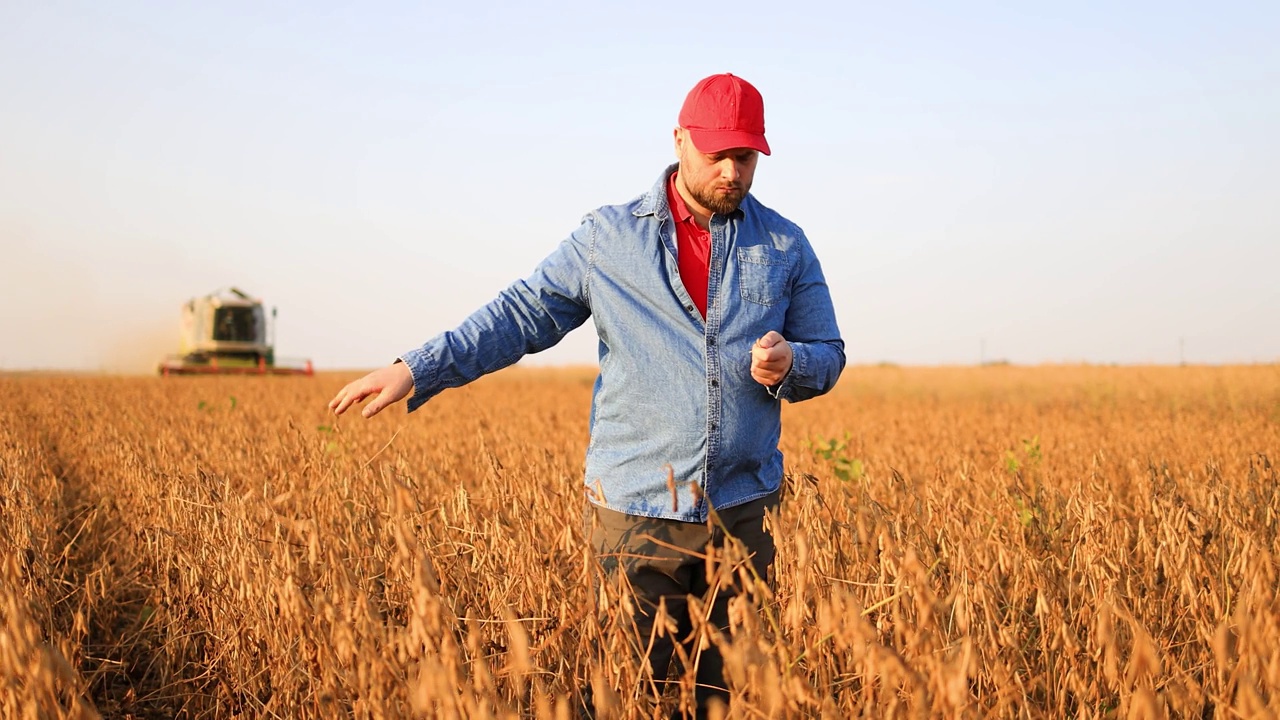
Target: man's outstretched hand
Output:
[
  {"x": 391, "y": 384},
  {"x": 770, "y": 359}
]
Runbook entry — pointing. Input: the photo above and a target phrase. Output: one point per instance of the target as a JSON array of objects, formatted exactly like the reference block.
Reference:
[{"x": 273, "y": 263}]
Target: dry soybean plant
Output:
[{"x": 953, "y": 542}]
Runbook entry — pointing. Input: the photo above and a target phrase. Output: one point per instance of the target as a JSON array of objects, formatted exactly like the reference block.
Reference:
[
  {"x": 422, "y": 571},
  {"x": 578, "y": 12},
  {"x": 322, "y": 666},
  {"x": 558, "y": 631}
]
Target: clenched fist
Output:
[{"x": 770, "y": 359}]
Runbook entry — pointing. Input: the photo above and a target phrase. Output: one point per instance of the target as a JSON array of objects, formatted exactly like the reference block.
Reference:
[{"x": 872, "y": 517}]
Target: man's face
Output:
[{"x": 718, "y": 182}]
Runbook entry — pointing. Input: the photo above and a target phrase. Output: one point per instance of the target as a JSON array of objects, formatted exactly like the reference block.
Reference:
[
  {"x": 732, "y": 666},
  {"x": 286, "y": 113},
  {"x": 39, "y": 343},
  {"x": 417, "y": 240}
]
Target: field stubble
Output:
[{"x": 980, "y": 542}]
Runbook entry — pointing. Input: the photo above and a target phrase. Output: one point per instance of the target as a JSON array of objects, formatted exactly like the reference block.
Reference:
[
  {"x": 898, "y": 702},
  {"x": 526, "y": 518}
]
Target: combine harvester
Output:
[{"x": 225, "y": 333}]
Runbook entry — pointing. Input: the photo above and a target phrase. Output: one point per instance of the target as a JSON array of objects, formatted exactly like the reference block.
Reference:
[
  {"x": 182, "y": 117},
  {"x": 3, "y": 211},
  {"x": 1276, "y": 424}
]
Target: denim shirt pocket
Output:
[{"x": 762, "y": 274}]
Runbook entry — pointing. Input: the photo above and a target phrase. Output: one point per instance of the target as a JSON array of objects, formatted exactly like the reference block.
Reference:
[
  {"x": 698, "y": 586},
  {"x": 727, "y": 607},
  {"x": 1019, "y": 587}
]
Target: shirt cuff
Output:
[{"x": 422, "y": 367}]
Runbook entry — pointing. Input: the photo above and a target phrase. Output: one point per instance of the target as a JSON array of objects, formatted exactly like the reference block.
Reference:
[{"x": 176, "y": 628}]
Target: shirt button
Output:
[
  {"x": 715, "y": 383},
  {"x": 688, "y": 308}
]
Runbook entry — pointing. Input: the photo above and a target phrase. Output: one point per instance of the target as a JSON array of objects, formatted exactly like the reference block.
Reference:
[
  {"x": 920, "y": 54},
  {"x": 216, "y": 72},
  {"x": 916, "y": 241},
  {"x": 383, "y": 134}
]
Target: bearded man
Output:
[{"x": 711, "y": 310}]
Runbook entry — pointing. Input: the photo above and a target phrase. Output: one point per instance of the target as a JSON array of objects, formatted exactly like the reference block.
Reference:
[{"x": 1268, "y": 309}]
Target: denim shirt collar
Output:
[{"x": 655, "y": 203}]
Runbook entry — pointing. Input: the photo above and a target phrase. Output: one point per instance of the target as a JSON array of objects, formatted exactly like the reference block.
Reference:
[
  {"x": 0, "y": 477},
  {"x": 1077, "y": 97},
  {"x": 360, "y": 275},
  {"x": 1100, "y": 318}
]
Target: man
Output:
[{"x": 711, "y": 309}]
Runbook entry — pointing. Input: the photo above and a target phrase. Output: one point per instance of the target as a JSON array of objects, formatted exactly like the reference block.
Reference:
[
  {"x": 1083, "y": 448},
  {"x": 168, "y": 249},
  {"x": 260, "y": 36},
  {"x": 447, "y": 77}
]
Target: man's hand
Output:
[
  {"x": 770, "y": 359},
  {"x": 391, "y": 383}
]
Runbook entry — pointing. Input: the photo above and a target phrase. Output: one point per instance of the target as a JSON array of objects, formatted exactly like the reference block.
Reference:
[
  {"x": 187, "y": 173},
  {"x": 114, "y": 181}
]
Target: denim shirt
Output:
[{"x": 674, "y": 398}]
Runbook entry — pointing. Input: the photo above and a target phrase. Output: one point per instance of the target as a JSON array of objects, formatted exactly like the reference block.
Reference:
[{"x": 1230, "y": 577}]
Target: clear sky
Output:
[{"x": 1036, "y": 182}]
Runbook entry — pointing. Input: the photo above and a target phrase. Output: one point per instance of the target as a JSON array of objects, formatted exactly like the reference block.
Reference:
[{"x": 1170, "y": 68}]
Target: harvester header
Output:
[{"x": 226, "y": 333}]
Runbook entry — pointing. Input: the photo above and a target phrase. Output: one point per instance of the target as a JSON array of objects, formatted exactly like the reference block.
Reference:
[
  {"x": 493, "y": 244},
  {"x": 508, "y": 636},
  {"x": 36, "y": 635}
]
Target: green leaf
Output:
[{"x": 1011, "y": 462}]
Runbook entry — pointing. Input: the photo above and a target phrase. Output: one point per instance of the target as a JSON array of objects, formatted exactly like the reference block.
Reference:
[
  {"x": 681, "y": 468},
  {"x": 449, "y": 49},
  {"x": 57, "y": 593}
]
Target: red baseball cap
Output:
[{"x": 723, "y": 112}]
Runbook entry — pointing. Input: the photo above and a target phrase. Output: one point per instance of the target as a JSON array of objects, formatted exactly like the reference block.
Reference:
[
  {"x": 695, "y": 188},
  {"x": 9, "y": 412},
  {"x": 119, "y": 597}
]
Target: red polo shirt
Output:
[{"x": 693, "y": 248}]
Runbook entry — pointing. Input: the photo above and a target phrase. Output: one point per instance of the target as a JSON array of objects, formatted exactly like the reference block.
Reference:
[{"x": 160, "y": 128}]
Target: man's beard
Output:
[{"x": 719, "y": 203}]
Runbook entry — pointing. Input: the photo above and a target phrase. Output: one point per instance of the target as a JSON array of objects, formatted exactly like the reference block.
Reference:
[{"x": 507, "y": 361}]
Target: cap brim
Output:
[{"x": 711, "y": 142}]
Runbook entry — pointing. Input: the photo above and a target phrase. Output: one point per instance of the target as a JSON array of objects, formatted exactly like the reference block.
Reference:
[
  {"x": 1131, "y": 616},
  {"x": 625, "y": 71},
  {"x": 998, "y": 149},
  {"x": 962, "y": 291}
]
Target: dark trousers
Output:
[{"x": 664, "y": 562}]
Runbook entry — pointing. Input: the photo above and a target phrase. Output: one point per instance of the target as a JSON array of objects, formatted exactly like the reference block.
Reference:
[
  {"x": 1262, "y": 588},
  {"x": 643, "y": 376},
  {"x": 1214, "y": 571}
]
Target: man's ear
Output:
[{"x": 678, "y": 138}]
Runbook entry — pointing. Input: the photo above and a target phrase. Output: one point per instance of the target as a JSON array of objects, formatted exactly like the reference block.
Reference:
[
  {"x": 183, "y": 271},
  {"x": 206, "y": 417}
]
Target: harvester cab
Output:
[{"x": 226, "y": 332}]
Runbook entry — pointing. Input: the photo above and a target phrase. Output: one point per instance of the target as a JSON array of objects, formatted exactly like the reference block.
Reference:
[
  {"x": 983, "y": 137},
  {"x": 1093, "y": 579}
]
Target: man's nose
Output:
[{"x": 729, "y": 170}]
